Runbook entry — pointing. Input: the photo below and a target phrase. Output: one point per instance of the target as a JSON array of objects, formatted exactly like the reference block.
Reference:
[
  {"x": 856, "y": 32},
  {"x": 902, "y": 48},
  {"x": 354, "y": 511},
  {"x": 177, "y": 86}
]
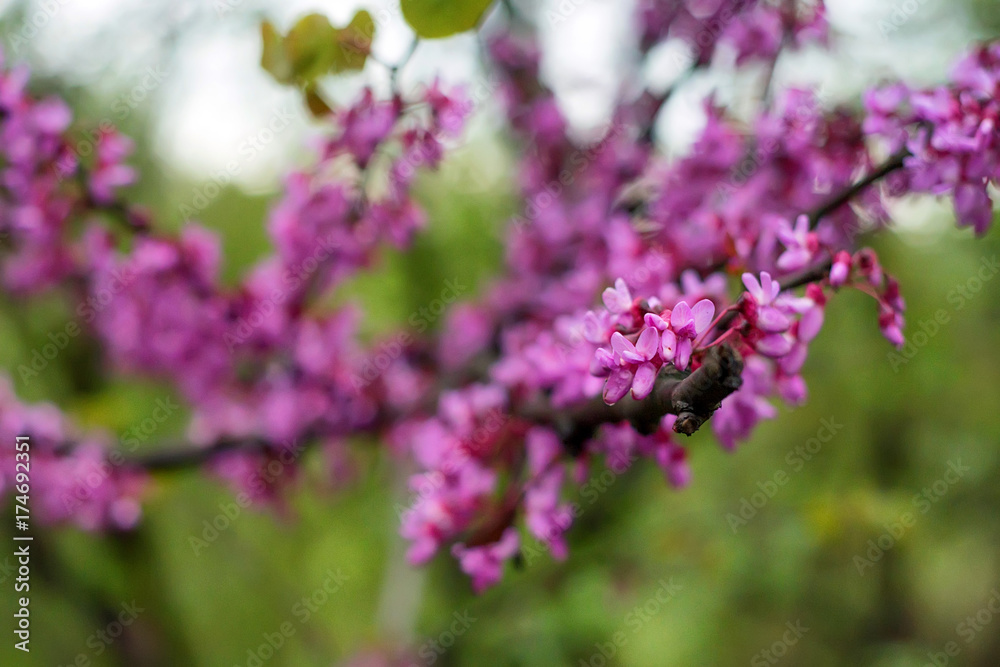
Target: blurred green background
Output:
[{"x": 728, "y": 591}]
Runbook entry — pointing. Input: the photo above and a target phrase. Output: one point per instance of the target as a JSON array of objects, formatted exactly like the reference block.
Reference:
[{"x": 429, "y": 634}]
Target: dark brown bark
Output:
[{"x": 693, "y": 399}]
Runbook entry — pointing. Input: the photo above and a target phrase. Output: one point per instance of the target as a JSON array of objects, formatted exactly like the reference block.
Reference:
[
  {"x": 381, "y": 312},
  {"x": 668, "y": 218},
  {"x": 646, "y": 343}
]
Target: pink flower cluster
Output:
[
  {"x": 80, "y": 486},
  {"x": 37, "y": 196},
  {"x": 254, "y": 360},
  {"x": 490, "y": 408},
  {"x": 455, "y": 450},
  {"x": 653, "y": 336},
  {"x": 951, "y": 133},
  {"x": 753, "y": 29}
]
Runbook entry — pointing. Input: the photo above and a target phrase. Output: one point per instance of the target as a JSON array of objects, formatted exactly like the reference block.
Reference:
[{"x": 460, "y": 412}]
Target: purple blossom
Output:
[
  {"x": 617, "y": 299},
  {"x": 485, "y": 564},
  {"x": 801, "y": 244},
  {"x": 267, "y": 359},
  {"x": 841, "y": 269}
]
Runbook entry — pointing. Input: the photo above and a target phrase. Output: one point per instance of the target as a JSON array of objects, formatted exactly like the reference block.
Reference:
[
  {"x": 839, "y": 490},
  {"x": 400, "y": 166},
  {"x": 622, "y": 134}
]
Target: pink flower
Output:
[
  {"x": 801, "y": 245},
  {"x": 686, "y": 325},
  {"x": 768, "y": 318},
  {"x": 485, "y": 564},
  {"x": 617, "y": 299},
  {"x": 841, "y": 269}
]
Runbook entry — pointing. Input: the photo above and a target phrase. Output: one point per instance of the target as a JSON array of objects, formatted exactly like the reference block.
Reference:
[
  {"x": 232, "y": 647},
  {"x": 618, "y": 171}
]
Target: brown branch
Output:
[
  {"x": 180, "y": 457},
  {"x": 847, "y": 194},
  {"x": 820, "y": 270},
  {"x": 693, "y": 399},
  {"x": 651, "y": 104}
]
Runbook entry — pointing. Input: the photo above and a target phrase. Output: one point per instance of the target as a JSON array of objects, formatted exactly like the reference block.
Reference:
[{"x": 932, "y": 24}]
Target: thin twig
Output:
[{"x": 836, "y": 201}]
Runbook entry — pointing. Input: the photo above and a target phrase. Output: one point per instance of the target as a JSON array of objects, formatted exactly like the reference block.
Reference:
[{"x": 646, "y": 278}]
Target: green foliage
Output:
[
  {"x": 442, "y": 18},
  {"x": 313, "y": 48}
]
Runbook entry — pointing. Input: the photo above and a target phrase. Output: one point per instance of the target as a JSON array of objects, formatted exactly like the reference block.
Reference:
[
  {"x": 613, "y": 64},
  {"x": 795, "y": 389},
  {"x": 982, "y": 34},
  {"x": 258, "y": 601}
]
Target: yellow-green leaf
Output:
[
  {"x": 354, "y": 43},
  {"x": 443, "y": 18},
  {"x": 273, "y": 57},
  {"x": 317, "y": 106},
  {"x": 311, "y": 46}
]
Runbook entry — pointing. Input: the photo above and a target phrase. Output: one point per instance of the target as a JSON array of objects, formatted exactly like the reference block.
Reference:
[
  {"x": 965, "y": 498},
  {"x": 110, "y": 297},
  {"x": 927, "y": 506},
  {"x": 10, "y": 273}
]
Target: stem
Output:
[
  {"x": 720, "y": 339},
  {"x": 693, "y": 398},
  {"x": 715, "y": 322},
  {"x": 836, "y": 201},
  {"x": 655, "y": 103},
  {"x": 186, "y": 456},
  {"x": 788, "y": 24},
  {"x": 394, "y": 70}
]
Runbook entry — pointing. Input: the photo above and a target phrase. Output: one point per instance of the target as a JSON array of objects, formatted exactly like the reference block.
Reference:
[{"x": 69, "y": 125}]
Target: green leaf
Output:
[
  {"x": 317, "y": 106},
  {"x": 354, "y": 43},
  {"x": 273, "y": 57},
  {"x": 442, "y": 18},
  {"x": 311, "y": 46}
]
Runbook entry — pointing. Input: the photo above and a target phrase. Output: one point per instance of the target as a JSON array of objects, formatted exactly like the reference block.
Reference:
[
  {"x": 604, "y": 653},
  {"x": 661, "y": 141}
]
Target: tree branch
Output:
[
  {"x": 182, "y": 456},
  {"x": 847, "y": 194},
  {"x": 693, "y": 399}
]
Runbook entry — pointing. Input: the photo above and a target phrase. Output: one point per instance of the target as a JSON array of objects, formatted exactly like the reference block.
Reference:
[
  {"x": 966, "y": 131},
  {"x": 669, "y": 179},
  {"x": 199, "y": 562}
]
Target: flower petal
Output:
[
  {"x": 753, "y": 287},
  {"x": 668, "y": 345},
  {"x": 683, "y": 355},
  {"x": 681, "y": 316},
  {"x": 774, "y": 345},
  {"x": 810, "y": 324},
  {"x": 618, "y": 384},
  {"x": 624, "y": 348},
  {"x": 645, "y": 377},
  {"x": 617, "y": 299},
  {"x": 655, "y": 321},
  {"x": 772, "y": 320},
  {"x": 769, "y": 287},
  {"x": 703, "y": 312},
  {"x": 605, "y": 359},
  {"x": 648, "y": 341}
]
